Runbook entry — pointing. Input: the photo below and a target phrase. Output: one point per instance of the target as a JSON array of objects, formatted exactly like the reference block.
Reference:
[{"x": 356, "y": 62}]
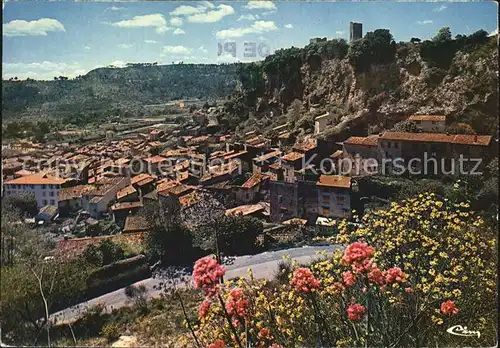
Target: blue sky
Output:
[{"x": 46, "y": 39}]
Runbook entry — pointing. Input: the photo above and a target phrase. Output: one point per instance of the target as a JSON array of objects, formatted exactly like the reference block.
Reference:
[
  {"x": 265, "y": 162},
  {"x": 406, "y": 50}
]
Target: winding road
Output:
[{"x": 263, "y": 266}]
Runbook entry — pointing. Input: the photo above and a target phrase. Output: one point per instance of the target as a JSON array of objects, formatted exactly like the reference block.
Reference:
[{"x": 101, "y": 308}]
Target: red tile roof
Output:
[
  {"x": 139, "y": 178},
  {"x": 334, "y": 181},
  {"x": 371, "y": 140},
  {"x": 267, "y": 156},
  {"x": 126, "y": 206},
  {"x": 37, "y": 179},
  {"x": 125, "y": 191},
  {"x": 155, "y": 159},
  {"x": 254, "y": 180},
  {"x": 427, "y": 118},
  {"x": 74, "y": 192},
  {"x": 292, "y": 156},
  {"x": 462, "y": 139},
  {"x": 245, "y": 209},
  {"x": 136, "y": 223}
]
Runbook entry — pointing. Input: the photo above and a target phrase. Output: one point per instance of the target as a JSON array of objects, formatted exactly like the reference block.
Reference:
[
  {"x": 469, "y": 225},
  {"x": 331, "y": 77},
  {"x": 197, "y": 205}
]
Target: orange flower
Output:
[
  {"x": 355, "y": 312},
  {"x": 449, "y": 308},
  {"x": 304, "y": 281},
  {"x": 206, "y": 275},
  {"x": 217, "y": 344},
  {"x": 349, "y": 278},
  {"x": 357, "y": 252}
]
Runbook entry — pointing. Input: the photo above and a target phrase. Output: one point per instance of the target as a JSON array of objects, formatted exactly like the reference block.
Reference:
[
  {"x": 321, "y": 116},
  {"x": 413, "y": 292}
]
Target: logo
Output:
[{"x": 459, "y": 330}]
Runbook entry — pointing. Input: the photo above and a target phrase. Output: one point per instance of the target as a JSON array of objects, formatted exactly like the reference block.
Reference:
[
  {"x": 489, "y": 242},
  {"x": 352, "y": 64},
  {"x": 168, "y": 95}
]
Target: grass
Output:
[{"x": 162, "y": 324}]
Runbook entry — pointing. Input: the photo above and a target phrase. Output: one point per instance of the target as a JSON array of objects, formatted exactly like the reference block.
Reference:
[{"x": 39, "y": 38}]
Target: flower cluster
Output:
[
  {"x": 356, "y": 253},
  {"x": 449, "y": 308},
  {"x": 304, "y": 281},
  {"x": 355, "y": 312},
  {"x": 207, "y": 274},
  {"x": 237, "y": 306}
]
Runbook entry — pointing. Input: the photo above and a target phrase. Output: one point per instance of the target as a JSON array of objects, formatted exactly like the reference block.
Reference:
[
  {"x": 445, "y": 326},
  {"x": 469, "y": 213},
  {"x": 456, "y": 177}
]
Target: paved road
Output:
[{"x": 263, "y": 265}]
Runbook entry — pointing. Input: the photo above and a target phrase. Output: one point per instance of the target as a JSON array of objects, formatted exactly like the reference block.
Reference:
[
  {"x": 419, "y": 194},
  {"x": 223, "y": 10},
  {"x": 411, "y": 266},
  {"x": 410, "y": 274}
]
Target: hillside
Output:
[
  {"x": 371, "y": 84},
  {"x": 103, "y": 88}
]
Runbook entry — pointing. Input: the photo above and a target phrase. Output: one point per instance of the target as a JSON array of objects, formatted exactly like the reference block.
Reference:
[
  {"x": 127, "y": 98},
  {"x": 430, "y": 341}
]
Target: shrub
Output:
[
  {"x": 408, "y": 273},
  {"x": 110, "y": 331}
]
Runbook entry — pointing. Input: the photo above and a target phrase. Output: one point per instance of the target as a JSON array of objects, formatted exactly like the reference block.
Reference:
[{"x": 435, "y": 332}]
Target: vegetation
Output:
[{"x": 405, "y": 276}]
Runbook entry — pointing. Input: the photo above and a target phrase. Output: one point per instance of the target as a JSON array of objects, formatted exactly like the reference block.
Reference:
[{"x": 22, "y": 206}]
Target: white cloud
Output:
[
  {"x": 155, "y": 20},
  {"x": 203, "y": 49},
  {"x": 125, "y": 46},
  {"x": 87, "y": 47},
  {"x": 260, "y": 5},
  {"x": 115, "y": 8},
  {"x": 249, "y": 17},
  {"x": 257, "y": 27},
  {"x": 211, "y": 16},
  {"x": 41, "y": 70},
  {"x": 440, "y": 8},
  {"x": 179, "y": 31},
  {"x": 185, "y": 10},
  {"x": 289, "y": 26},
  {"x": 39, "y": 27},
  {"x": 427, "y": 21},
  {"x": 494, "y": 32},
  {"x": 340, "y": 32},
  {"x": 176, "y": 50},
  {"x": 151, "y": 41},
  {"x": 176, "y": 21}
]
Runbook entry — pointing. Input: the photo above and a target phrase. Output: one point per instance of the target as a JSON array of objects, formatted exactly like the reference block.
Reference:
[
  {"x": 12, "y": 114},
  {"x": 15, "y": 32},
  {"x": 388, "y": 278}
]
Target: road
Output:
[{"x": 263, "y": 266}]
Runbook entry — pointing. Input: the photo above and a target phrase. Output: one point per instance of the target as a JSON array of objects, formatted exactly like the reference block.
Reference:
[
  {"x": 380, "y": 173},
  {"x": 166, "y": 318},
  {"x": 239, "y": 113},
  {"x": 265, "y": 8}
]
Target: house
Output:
[
  {"x": 136, "y": 224},
  {"x": 144, "y": 183},
  {"x": 121, "y": 210},
  {"x": 127, "y": 194},
  {"x": 254, "y": 210},
  {"x": 334, "y": 199},
  {"x": 289, "y": 163},
  {"x": 70, "y": 198},
  {"x": 261, "y": 163},
  {"x": 45, "y": 188},
  {"x": 249, "y": 191},
  {"x": 362, "y": 153},
  {"x": 96, "y": 201},
  {"x": 429, "y": 123},
  {"x": 293, "y": 199},
  {"x": 46, "y": 214},
  {"x": 321, "y": 122},
  {"x": 429, "y": 148}
]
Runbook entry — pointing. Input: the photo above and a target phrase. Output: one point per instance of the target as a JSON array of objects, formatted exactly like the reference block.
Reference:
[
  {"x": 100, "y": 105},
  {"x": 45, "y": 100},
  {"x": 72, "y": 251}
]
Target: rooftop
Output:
[
  {"x": 254, "y": 180},
  {"x": 125, "y": 191},
  {"x": 292, "y": 156},
  {"x": 371, "y": 140},
  {"x": 139, "y": 178},
  {"x": 322, "y": 116},
  {"x": 135, "y": 223},
  {"x": 245, "y": 209},
  {"x": 334, "y": 181},
  {"x": 295, "y": 221},
  {"x": 155, "y": 159},
  {"x": 75, "y": 246},
  {"x": 267, "y": 156},
  {"x": 190, "y": 199},
  {"x": 460, "y": 139},
  {"x": 78, "y": 191},
  {"x": 427, "y": 118},
  {"x": 126, "y": 206},
  {"x": 37, "y": 179}
]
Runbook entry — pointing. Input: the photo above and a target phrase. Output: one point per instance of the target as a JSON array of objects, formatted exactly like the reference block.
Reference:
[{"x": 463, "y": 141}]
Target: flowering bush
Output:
[{"x": 406, "y": 275}]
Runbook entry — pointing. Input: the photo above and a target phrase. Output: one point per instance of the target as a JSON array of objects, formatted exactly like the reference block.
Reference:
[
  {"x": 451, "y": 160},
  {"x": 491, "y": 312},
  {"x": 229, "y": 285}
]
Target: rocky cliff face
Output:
[{"x": 386, "y": 93}]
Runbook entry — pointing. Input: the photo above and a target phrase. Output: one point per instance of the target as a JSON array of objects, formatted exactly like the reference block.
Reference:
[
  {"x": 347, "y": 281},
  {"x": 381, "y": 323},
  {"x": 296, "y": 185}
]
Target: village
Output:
[{"x": 309, "y": 182}]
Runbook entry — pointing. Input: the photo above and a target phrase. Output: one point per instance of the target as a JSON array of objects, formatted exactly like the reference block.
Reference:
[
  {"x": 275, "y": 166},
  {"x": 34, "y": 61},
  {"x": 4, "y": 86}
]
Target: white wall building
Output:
[{"x": 44, "y": 187}]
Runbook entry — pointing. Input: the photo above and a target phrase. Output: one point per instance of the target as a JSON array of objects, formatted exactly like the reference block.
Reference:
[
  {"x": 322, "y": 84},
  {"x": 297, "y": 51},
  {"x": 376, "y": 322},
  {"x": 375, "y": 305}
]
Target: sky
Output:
[{"x": 44, "y": 39}]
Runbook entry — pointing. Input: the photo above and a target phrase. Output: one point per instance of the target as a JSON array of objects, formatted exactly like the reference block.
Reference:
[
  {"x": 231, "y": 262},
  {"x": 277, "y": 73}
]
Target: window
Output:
[
  {"x": 387, "y": 154},
  {"x": 340, "y": 199},
  {"x": 396, "y": 145},
  {"x": 388, "y": 144},
  {"x": 326, "y": 211},
  {"x": 280, "y": 199},
  {"x": 44, "y": 187},
  {"x": 51, "y": 194},
  {"x": 44, "y": 202},
  {"x": 418, "y": 122},
  {"x": 52, "y": 202},
  {"x": 43, "y": 193},
  {"x": 326, "y": 199},
  {"x": 434, "y": 122}
]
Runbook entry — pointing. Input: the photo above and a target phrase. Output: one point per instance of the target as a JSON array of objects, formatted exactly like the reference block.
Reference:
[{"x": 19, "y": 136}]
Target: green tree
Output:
[
  {"x": 443, "y": 35},
  {"x": 23, "y": 202},
  {"x": 406, "y": 126}
]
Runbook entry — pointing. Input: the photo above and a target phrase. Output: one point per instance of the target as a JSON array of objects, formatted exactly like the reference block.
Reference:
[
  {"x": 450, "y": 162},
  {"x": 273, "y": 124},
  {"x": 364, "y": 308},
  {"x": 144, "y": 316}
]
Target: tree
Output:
[
  {"x": 406, "y": 126},
  {"x": 138, "y": 295},
  {"x": 23, "y": 202},
  {"x": 443, "y": 35},
  {"x": 415, "y": 40},
  {"x": 169, "y": 240}
]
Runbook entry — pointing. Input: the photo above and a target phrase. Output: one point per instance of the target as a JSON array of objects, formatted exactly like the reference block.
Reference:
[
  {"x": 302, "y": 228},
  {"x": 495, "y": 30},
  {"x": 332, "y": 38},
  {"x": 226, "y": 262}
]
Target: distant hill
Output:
[{"x": 105, "y": 88}]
